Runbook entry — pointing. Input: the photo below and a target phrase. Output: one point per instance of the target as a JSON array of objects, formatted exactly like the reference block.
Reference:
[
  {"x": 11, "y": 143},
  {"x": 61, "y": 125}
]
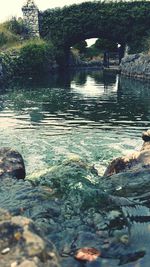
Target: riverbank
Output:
[
  {"x": 32, "y": 57},
  {"x": 136, "y": 66},
  {"x": 39, "y": 59}
]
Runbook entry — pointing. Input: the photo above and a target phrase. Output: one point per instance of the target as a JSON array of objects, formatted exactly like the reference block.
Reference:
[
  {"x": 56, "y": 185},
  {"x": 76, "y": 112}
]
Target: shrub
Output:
[
  {"x": 3, "y": 39},
  {"x": 16, "y": 26},
  {"x": 7, "y": 37},
  {"x": 36, "y": 57}
]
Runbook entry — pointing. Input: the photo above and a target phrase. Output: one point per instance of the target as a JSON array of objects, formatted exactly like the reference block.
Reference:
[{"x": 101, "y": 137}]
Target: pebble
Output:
[
  {"x": 27, "y": 263},
  {"x": 14, "y": 264},
  {"x": 5, "y": 251},
  {"x": 124, "y": 239},
  {"x": 88, "y": 254}
]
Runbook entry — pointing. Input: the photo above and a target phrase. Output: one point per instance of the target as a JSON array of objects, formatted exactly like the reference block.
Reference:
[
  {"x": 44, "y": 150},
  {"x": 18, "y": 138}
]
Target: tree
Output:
[
  {"x": 81, "y": 47},
  {"x": 103, "y": 44}
]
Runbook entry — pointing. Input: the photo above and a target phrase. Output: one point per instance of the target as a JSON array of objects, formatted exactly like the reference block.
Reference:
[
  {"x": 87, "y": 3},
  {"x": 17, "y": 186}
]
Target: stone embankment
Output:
[{"x": 136, "y": 66}]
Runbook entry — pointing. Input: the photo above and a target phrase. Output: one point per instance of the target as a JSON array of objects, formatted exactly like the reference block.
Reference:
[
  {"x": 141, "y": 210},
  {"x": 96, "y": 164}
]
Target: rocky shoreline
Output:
[
  {"x": 136, "y": 66},
  {"x": 91, "y": 220}
]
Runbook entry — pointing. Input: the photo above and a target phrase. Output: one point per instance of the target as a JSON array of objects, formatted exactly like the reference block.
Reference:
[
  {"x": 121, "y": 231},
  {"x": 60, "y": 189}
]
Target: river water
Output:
[{"x": 97, "y": 116}]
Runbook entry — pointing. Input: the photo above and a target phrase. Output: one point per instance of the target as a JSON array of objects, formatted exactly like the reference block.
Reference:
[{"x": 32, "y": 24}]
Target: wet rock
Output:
[
  {"x": 71, "y": 174},
  {"x": 131, "y": 257},
  {"x": 146, "y": 136},
  {"x": 134, "y": 162},
  {"x": 70, "y": 262},
  {"x": 87, "y": 254},
  {"x": 22, "y": 244},
  {"x": 27, "y": 263},
  {"x": 11, "y": 164},
  {"x": 96, "y": 263},
  {"x": 128, "y": 184},
  {"x": 74, "y": 212}
]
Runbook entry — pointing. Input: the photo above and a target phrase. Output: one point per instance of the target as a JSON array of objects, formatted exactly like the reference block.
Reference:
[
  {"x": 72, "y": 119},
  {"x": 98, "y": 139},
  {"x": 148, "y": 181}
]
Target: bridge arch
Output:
[{"x": 122, "y": 22}]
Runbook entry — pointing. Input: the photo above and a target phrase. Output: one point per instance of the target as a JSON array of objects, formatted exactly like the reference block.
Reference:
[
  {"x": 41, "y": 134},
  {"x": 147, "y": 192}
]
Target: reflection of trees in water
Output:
[
  {"x": 55, "y": 80},
  {"x": 63, "y": 79},
  {"x": 79, "y": 77},
  {"x": 108, "y": 79},
  {"x": 100, "y": 77},
  {"x": 134, "y": 98},
  {"x": 53, "y": 96}
]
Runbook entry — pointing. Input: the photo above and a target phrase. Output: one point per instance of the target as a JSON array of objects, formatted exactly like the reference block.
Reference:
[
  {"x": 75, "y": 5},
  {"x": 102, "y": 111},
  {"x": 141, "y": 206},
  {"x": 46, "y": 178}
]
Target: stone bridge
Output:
[{"x": 120, "y": 22}]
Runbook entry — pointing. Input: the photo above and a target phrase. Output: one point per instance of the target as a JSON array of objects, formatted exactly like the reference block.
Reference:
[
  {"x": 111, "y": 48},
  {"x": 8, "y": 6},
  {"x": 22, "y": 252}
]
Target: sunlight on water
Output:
[{"x": 97, "y": 116}]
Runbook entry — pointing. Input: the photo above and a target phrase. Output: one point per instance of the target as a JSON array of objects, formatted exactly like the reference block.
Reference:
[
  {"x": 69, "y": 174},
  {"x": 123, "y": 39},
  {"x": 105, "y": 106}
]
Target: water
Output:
[
  {"x": 88, "y": 113},
  {"x": 94, "y": 115}
]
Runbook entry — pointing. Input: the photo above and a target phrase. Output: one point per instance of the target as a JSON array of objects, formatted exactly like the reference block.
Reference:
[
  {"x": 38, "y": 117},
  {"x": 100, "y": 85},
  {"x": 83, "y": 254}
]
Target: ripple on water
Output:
[{"x": 96, "y": 118}]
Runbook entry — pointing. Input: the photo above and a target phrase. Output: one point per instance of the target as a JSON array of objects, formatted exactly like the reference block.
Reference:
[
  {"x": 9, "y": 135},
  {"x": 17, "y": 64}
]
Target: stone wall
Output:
[
  {"x": 136, "y": 66},
  {"x": 31, "y": 18}
]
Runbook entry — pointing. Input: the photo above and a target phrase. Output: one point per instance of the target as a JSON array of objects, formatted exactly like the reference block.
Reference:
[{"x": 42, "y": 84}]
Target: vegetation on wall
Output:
[
  {"x": 62, "y": 28},
  {"x": 122, "y": 22}
]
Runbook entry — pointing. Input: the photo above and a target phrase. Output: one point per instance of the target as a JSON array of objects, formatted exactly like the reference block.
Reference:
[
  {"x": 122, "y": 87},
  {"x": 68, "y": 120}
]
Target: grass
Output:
[{"x": 8, "y": 39}]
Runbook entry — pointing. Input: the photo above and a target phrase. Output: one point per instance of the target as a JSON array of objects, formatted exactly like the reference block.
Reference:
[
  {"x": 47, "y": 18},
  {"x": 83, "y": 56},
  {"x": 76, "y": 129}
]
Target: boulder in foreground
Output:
[
  {"x": 23, "y": 245},
  {"x": 11, "y": 164}
]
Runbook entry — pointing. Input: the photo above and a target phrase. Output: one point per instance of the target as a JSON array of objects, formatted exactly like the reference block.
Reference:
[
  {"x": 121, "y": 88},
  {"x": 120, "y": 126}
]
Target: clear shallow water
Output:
[{"x": 97, "y": 116}]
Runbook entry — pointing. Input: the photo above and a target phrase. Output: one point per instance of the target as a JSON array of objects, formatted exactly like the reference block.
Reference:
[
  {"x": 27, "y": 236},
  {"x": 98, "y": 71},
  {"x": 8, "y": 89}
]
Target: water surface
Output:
[{"x": 97, "y": 116}]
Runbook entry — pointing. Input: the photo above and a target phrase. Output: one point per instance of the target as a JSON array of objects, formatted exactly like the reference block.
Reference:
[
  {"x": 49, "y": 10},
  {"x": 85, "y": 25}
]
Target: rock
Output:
[
  {"x": 11, "y": 164},
  {"x": 27, "y": 263},
  {"x": 146, "y": 137},
  {"x": 24, "y": 243},
  {"x": 87, "y": 254},
  {"x": 72, "y": 174},
  {"x": 134, "y": 162},
  {"x": 137, "y": 66}
]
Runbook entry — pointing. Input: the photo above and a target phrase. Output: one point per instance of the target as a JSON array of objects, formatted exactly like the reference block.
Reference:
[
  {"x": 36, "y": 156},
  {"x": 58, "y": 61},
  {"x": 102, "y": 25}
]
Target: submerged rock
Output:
[
  {"x": 134, "y": 162},
  {"x": 23, "y": 245},
  {"x": 71, "y": 174},
  {"x": 11, "y": 164},
  {"x": 77, "y": 210}
]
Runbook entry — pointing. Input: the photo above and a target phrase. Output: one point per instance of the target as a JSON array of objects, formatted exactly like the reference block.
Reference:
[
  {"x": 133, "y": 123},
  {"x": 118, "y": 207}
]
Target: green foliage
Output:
[
  {"x": 10, "y": 33},
  {"x": 9, "y": 63},
  {"x": 3, "y": 39},
  {"x": 97, "y": 50},
  {"x": 119, "y": 22},
  {"x": 146, "y": 45},
  {"x": 103, "y": 44},
  {"x": 36, "y": 57},
  {"x": 81, "y": 47},
  {"x": 16, "y": 26}
]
